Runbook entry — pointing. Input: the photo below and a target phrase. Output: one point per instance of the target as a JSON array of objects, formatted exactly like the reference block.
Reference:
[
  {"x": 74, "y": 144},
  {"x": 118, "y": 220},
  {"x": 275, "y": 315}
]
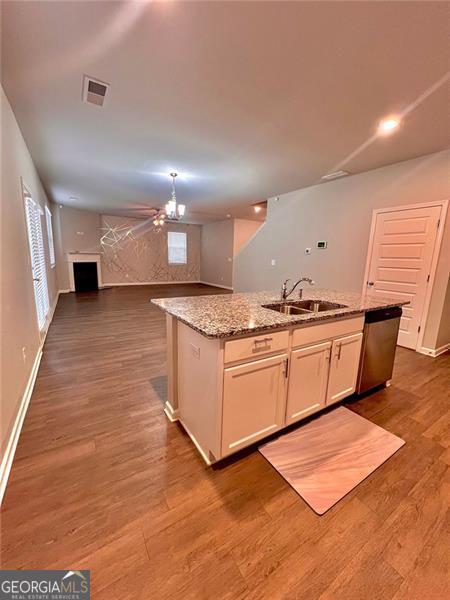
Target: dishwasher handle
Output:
[{"x": 384, "y": 314}]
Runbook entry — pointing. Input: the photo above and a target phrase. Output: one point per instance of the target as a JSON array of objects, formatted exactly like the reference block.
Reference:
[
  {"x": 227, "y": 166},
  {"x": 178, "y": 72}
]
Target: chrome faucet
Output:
[{"x": 284, "y": 291}]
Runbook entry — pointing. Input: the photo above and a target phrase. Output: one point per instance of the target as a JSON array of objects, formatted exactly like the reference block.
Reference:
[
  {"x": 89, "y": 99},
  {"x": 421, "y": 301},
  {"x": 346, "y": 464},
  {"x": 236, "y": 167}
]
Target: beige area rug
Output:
[{"x": 329, "y": 456}]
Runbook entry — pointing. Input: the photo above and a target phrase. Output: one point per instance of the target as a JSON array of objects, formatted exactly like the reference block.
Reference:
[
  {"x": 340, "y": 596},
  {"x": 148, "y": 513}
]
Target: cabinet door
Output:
[
  {"x": 344, "y": 365},
  {"x": 308, "y": 376},
  {"x": 254, "y": 400}
]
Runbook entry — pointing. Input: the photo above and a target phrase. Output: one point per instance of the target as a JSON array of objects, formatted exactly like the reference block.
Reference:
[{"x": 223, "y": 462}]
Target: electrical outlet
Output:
[{"x": 24, "y": 354}]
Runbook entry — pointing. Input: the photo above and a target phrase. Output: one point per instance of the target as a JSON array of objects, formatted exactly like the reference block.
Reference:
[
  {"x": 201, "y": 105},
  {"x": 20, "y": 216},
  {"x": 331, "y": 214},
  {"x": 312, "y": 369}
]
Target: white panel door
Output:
[
  {"x": 254, "y": 401},
  {"x": 344, "y": 365},
  {"x": 400, "y": 263},
  {"x": 308, "y": 376}
]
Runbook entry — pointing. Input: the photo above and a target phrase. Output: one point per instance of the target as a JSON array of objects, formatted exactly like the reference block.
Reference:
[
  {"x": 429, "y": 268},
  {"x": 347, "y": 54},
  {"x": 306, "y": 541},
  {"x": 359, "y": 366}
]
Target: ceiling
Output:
[{"x": 246, "y": 100}]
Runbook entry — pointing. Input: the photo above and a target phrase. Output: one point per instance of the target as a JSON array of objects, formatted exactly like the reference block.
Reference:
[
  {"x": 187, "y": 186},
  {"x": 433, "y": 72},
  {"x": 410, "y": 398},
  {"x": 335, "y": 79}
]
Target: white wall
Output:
[
  {"x": 19, "y": 329},
  {"x": 340, "y": 212}
]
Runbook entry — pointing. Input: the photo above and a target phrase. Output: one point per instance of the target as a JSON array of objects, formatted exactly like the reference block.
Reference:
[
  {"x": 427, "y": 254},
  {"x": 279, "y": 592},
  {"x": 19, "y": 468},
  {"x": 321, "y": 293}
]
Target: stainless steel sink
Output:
[{"x": 303, "y": 306}]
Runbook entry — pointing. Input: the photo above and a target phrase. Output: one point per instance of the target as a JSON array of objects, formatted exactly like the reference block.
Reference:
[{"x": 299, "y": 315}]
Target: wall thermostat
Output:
[{"x": 322, "y": 245}]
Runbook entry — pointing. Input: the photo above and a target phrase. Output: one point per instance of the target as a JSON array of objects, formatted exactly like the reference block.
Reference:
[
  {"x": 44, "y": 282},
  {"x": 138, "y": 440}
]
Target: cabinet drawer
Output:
[
  {"x": 255, "y": 346},
  {"x": 327, "y": 330}
]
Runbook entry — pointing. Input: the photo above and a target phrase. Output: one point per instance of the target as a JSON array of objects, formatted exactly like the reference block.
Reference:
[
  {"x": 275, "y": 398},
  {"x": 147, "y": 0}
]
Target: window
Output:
[
  {"x": 176, "y": 245},
  {"x": 37, "y": 255},
  {"x": 51, "y": 247}
]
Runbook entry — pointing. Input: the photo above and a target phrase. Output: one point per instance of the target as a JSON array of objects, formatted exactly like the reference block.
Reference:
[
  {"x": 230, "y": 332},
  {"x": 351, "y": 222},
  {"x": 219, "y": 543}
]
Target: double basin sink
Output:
[{"x": 303, "y": 307}]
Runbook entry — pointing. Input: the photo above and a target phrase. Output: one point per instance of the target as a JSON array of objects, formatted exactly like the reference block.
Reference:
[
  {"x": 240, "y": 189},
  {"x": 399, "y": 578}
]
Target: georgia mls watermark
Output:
[{"x": 45, "y": 585}]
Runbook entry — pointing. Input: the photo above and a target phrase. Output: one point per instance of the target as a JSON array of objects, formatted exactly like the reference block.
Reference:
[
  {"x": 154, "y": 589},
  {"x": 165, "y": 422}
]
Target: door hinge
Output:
[
  {"x": 418, "y": 329},
  {"x": 428, "y": 278}
]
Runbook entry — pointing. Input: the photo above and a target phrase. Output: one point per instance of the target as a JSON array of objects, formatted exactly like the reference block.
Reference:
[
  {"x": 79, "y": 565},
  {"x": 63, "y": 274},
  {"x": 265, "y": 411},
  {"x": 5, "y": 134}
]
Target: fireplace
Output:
[
  {"x": 84, "y": 271},
  {"x": 85, "y": 276}
]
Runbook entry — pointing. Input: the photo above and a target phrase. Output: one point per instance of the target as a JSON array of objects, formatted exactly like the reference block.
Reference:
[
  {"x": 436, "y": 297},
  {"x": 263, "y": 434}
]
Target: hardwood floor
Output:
[{"x": 102, "y": 481}]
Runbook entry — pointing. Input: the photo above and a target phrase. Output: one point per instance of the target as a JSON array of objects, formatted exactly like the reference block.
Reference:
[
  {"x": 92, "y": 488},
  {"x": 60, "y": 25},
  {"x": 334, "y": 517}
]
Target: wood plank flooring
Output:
[{"x": 101, "y": 480}]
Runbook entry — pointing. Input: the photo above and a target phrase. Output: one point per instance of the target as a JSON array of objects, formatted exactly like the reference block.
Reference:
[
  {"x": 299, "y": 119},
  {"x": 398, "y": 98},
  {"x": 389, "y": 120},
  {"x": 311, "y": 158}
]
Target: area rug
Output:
[{"x": 326, "y": 458}]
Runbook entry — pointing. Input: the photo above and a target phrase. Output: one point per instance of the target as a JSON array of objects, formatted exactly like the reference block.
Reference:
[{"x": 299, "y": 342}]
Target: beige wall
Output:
[
  {"x": 18, "y": 325},
  {"x": 341, "y": 212},
  {"x": 244, "y": 230},
  {"x": 443, "y": 336},
  {"x": 221, "y": 243},
  {"x": 217, "y": 253},
  {"x": 143, "y": 257}
]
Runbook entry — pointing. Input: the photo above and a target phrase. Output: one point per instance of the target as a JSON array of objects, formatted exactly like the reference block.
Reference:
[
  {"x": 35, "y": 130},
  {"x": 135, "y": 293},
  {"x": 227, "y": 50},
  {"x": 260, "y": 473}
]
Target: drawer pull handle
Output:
[{"x": 264, "y": 341}]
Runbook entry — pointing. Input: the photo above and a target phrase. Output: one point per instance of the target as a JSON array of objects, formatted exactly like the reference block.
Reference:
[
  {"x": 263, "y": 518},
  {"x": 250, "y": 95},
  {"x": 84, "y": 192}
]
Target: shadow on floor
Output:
[{"x": 159, "y": 384}]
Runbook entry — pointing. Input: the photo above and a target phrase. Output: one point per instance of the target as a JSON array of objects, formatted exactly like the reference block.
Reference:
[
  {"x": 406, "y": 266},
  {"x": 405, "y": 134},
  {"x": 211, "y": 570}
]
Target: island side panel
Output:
[
  {"x": 171, "y": 407},
  {"x": 199, "y": 389}
]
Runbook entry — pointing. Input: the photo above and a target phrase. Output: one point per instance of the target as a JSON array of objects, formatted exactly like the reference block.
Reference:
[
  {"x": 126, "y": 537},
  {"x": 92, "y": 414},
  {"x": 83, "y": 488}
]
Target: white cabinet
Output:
[
  {"x": 344, "y": 364},
  {"x": 235, "y": 392},
  {"x": 254, "y": 396},
  {"x": 308, "y": 376}
]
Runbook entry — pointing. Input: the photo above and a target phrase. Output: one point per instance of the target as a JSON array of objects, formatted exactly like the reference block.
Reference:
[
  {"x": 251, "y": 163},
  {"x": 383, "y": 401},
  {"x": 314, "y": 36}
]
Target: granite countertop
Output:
[{"x": 230, "y": 315}]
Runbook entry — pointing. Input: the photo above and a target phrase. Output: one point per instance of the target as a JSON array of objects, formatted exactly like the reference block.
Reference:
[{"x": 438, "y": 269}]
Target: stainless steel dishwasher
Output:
[{"x": 378, "y": 348}]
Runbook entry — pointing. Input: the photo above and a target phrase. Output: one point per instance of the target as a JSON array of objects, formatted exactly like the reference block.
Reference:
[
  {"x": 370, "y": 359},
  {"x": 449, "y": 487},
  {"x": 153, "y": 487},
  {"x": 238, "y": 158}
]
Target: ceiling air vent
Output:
[{"x": 94, "y": 91}]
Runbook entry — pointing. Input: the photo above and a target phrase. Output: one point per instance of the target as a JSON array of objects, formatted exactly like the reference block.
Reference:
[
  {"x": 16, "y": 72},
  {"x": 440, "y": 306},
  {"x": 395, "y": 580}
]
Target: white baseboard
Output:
[
  {"x": 17, "y": 426},
  {"x": 171, "y": 414},
  {"x": 224, "y": 287},
  {"x": 434, "y": 352},
  {"x": 106, "y": 284},
  {"x": 130, "y": 283},
  {"x": 14, "y": 434}
]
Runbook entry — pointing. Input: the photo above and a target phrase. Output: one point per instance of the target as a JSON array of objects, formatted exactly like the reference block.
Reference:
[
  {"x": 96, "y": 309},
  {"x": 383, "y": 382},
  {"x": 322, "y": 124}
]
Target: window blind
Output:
[
  {"x": 33, "y": 217},
  {"x": 51, "y": 247},
  {"x": 177, "y": 248}
]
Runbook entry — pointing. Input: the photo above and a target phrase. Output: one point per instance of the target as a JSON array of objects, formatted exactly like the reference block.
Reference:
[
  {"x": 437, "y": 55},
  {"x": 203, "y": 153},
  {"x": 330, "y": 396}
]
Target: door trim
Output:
[{"x": 437, "y": 246}]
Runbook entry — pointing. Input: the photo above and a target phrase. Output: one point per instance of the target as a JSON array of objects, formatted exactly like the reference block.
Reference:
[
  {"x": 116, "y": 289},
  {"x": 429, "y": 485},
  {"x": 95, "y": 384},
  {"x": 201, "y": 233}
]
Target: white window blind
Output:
[
  {"x": 37, "y": 254},
  {"x": 177, "y": 250},
  {"x": 51, "y": 247}
]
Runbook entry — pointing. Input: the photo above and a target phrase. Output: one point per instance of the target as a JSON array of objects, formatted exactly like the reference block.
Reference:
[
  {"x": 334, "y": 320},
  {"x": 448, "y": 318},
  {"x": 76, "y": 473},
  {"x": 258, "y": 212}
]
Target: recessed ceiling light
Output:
[
  {"x": 387, "y": 126},
  {"x": 257, "y": 208},
  {"x": 228, "y": 216},
  {"x": 335, "y": 175}
]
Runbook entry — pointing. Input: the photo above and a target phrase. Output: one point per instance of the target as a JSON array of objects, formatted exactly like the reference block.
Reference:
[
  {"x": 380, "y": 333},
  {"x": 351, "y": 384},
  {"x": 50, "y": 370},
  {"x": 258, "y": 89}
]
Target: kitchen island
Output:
[{"x": 243, "y": 366}]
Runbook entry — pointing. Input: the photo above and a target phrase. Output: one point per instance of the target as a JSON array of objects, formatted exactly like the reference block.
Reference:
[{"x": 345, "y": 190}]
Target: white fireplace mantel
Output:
[{"x": 83, "y": 257}]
